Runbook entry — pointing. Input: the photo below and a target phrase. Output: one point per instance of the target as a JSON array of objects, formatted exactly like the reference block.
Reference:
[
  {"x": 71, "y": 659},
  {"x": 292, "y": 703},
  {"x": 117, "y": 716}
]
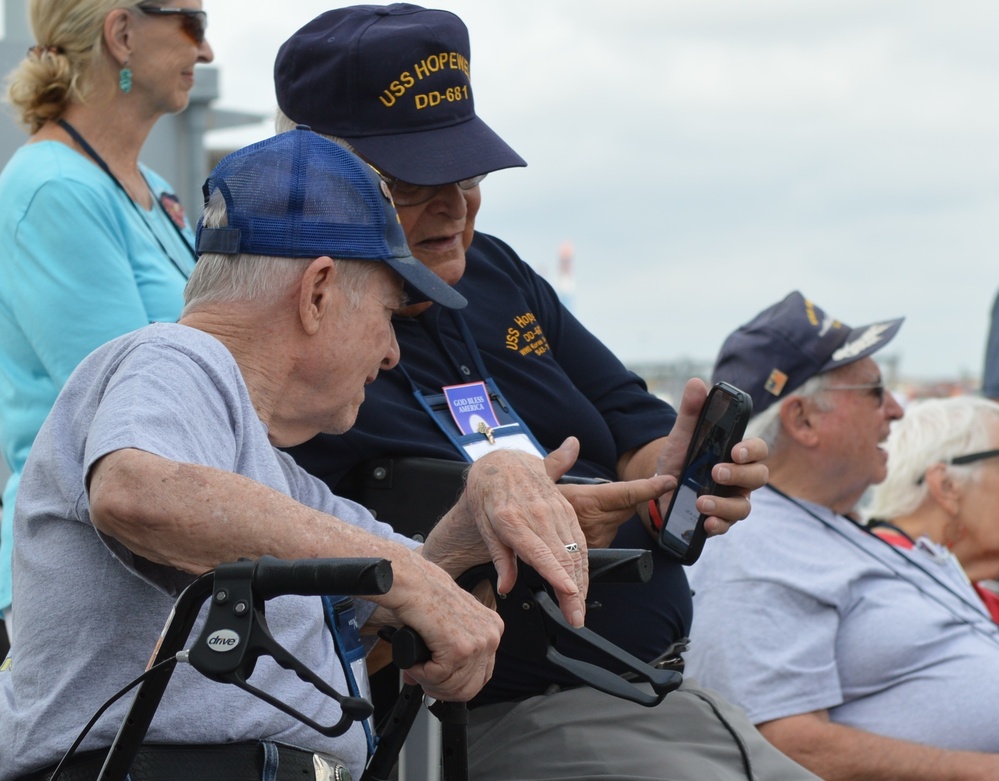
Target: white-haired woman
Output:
[
  {"x": 943, "y": 485},
  {"x": 92, "y": 244}
]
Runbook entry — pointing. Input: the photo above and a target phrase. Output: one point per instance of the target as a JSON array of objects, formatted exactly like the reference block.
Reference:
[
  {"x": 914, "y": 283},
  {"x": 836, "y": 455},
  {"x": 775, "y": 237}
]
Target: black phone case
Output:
[{"x": 684, "y": 552}]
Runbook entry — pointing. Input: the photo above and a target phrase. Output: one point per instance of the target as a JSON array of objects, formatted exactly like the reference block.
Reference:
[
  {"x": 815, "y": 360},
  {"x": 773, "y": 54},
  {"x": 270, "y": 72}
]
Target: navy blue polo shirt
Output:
[{"x": 562, "y": 381}]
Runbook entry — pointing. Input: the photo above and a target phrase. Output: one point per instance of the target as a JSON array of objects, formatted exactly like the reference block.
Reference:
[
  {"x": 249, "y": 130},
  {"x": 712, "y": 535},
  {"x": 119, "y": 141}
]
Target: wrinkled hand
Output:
[
  {"x": 510, "y": 509},
  {"x": 602, "y": 508},
  {"x": 461, "y": 634},
  {"x": 745, "y": 474}
]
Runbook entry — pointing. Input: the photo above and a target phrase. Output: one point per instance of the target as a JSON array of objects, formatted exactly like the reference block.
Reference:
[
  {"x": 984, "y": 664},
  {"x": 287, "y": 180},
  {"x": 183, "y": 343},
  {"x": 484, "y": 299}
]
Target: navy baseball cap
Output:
[
  {"x": 299, "y": 195},
  {"x": 393, "y": 81},
  {"x": 790, "y": 342}
]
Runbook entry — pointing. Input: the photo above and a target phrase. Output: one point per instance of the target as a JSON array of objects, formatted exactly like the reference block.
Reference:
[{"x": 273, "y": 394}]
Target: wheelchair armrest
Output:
[
  {"x": 662, "y": 681},
  {"x": 538, "y": 630},
  {"x": 413, "y": 492},
  {"x": 533, "y": 614}
]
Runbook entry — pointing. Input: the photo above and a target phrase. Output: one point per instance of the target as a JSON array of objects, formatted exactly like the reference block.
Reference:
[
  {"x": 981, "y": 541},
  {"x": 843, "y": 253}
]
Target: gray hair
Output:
[
  {"x": 263, "y": 279},
  {"x": 767, "y": 425},
  {"x": 933, "y": 431},
  {"x": 283, "y": 123}
]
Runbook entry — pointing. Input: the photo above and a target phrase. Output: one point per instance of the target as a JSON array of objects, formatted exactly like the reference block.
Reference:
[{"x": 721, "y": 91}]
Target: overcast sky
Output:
[{"x": 705, "y": 157}]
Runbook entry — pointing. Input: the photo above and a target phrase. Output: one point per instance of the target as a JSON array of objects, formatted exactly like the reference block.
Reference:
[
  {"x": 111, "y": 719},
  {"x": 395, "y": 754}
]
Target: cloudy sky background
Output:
[{"x": 705, "y": 157}]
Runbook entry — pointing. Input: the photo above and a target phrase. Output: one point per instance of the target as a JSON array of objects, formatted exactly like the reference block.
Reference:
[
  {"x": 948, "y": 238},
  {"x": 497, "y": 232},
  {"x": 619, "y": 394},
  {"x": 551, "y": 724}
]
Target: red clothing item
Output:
[
  {"x": 989, "y": 597},
  {"x": 991, "y": 600}
]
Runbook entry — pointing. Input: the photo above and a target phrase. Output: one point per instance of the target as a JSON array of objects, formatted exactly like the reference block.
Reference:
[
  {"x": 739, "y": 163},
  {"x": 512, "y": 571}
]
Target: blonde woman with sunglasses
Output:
[{"x": 92, "y": 243}]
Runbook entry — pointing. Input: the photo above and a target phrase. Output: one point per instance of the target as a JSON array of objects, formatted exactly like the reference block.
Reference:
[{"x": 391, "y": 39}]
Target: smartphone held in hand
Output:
[{"x": 721, "y": 425}]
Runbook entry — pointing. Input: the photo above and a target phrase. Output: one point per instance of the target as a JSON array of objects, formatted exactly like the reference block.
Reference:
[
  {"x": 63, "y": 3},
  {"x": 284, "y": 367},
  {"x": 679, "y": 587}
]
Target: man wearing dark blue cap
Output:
[
  {"x": 858, "y": 659},
  {"x": 393, "y": 83},
  {"x": 160, "y": 460}
]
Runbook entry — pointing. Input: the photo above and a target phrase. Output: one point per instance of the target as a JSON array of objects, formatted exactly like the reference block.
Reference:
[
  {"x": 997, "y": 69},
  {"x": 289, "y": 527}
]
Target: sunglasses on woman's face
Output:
[
  {"x": 969, "y": 458},
  {"x": 192, "y": 21}
]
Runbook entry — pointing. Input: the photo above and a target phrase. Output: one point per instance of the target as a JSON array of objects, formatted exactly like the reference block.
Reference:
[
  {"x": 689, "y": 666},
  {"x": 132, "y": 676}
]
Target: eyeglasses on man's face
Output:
[
  {"x": 406, "y": 194},
  {"x": 193, "y": 22},
  {"x": 876, "y": 389}
]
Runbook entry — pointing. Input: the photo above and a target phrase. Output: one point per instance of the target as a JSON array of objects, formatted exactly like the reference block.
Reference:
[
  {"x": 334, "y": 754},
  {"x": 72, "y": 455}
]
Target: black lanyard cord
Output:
[
  {"x": 910, "y": 561},
  {"x": 432, "y": 330},
  {"x": 877, "y": 523},
  {"x": 76, "y": 136}
]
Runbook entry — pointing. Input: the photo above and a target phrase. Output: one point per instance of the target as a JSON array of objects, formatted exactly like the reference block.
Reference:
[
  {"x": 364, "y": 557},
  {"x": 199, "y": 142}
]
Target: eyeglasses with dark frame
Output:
[
  {"x": 193, "y": 22},
  {"x": 968, "y": 458},
  {"x": 876, "y": 388},
  {"x": 406, "y": 194}
]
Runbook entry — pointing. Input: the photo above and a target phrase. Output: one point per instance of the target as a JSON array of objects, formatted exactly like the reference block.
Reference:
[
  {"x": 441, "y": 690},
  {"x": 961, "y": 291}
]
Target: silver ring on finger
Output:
[{"x": 572, "y": 547}]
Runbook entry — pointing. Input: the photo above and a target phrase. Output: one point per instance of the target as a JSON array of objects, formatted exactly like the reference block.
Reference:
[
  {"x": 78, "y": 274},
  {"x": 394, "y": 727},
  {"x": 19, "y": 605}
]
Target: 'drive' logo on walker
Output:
[{"x": 223, "y": 640}]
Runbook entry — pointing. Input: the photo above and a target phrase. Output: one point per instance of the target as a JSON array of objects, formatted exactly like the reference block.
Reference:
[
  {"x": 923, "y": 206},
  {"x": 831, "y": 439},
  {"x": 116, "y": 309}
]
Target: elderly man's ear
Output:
[
  {"x": 317, "y": 293},
  {"x": 796, "y": 419}
]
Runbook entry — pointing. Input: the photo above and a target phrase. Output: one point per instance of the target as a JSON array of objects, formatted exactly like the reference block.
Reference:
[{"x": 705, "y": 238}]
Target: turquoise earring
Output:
[{"x": 125, "y": 78}]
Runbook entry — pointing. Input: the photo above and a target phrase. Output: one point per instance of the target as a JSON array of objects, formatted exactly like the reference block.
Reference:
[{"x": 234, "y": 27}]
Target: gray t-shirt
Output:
[
  {"x": 792, "y": 616},
  {"x": 90, "y": 611}
]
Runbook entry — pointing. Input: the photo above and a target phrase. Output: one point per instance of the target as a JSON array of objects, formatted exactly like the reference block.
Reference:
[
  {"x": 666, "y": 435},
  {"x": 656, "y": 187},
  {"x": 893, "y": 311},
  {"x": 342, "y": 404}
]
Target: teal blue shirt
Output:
[{"x": 79, "y": 266}]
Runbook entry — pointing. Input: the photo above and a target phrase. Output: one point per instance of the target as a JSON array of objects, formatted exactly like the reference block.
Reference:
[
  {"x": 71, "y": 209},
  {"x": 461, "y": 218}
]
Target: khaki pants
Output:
[{"x": 693, "y": 735}]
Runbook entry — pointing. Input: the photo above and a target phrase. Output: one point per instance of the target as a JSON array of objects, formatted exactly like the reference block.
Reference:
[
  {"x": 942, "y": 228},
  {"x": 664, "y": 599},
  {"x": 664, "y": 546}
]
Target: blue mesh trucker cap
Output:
[
  {"x": 393, "y": 81},
  {"x": 790, "y": 342},
  {"x": 299, "y": 195}
]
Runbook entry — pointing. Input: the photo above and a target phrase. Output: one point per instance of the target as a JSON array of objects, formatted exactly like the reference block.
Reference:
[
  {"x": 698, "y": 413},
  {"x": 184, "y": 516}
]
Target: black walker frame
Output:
[{"x": 239, "y": 590}]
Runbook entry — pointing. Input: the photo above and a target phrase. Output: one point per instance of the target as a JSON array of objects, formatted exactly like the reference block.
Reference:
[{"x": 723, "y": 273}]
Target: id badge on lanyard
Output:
[
  {"x": 342, "y": 622},
  {"x": 478, "y": 420}
]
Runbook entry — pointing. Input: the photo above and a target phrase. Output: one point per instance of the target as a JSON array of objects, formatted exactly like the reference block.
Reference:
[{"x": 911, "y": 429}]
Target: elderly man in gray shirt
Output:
[
  {"x": 160, "y": 460},
  {"x": 859, "y": 660}
]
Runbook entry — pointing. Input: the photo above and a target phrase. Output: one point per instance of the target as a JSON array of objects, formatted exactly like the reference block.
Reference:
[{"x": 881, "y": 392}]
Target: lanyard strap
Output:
[
  {"x": 910, "y": 560},
  {"x": 442, "y": 417},
  {"x": 473, "y": 349},
  {"x": 76, "y": 136},
  {"x": 877, "y": 523},
  {"x": 467, "y": 338},
  {"x": 342, "y": 624}
]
